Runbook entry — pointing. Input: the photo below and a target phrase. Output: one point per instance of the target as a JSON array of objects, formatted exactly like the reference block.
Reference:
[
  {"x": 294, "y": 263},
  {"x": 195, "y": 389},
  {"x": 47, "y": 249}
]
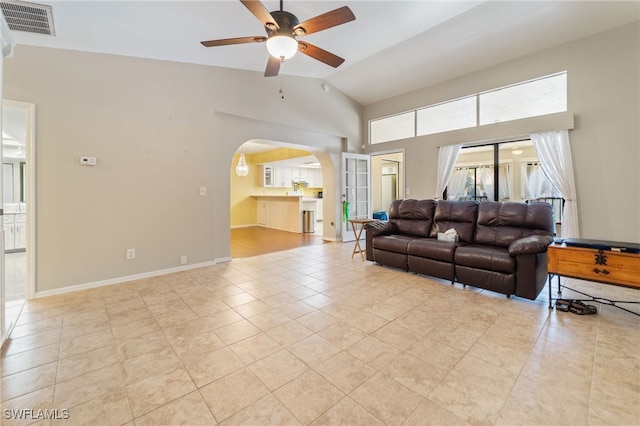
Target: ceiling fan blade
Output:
[
  {"x": 326, "y": 20},
  {"x": 273, "y": 67},
  {"x": 260, "y": 12},
  {"x": 237, "y": 40},
  {"x": 320, "y": 54}
]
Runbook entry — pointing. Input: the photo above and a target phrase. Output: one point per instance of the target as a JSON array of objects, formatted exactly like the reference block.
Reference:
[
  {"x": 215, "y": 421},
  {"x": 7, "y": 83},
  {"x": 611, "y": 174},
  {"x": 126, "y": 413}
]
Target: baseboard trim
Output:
[{"x": 120, "y": 280}]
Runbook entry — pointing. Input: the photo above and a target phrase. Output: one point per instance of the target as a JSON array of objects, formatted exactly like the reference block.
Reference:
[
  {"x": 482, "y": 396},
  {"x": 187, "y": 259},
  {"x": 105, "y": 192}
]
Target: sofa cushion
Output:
[
  {"x": 392, "y": 243},
  {"x": 459, "y": 215},
  {"x": 500, "y": 224},
  {"x": 412, "y": 217},
  {"x": 432, "y": 249},
  {"x": 489, "y": 258}
]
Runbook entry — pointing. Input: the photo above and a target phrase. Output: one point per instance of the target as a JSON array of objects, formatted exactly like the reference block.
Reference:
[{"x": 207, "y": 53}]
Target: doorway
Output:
[
  {"x": 387, "y": 180},
  {"x": 264, "y": 198},
  {"x": 18, "y": 204}
]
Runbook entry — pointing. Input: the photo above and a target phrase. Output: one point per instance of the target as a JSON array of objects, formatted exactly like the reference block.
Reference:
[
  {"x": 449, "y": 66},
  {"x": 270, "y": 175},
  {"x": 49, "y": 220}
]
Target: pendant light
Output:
[{"x": 242, "y": 169}]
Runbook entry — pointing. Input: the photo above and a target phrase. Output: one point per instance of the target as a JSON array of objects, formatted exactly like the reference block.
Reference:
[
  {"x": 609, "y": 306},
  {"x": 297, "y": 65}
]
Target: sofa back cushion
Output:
[
  {"x": 459, "y": 215},
  {"x": 412, "y": 217},
  {"x": 499, "y": 224}
]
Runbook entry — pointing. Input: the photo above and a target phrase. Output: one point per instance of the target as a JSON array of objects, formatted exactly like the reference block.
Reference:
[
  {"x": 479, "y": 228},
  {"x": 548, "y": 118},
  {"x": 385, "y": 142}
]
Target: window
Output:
[
  {"x": 519, "y": 176},
  {"x": 454, "y": 115},
  {"x": 538, "y": 97},
  {"x": 545, "y": 95},
  {"x": 478, "y": 183},
  {"x": 396, "y": 127}
]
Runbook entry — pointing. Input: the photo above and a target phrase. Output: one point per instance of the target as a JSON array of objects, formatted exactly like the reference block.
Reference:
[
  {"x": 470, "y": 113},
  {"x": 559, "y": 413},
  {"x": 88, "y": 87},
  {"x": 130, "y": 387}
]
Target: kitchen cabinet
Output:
[
  {"x": 282, "y": 177},
  {"x": 281, "y": 212},
  {"x": 314, "y": 178},
  {"x": 267, "y": 176},
  {"x": 319, "y": 207},
  {"x": 15, "y": 231},
  {"x": 262, "y": 213},
  {"x": 300, "y": 174}
]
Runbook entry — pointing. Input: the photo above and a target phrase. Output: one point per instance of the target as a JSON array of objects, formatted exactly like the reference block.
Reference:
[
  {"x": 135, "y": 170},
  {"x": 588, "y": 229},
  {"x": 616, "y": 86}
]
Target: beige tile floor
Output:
[
  {"x": 15, "y": 279},
  {"x": 310, "y": 336}
]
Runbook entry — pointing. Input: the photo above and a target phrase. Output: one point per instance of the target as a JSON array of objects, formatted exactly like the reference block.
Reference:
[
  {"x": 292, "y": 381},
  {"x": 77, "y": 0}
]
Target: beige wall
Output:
[
  {"x": 160, "y": 131},
  {"x": 603, "y": 93}
]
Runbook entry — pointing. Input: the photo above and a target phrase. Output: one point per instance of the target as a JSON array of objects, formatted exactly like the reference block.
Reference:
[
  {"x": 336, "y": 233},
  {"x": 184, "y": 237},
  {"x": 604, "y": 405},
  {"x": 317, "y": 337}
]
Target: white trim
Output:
[
  {"x": 223, "y": 259},
  {"x": 119, "y": 280},
  {"x": 8, "y": 43},
  {"x": 505, "y": 131},
  {"x": 246, "y": 226},
  {"x": 5, "y": 329}
]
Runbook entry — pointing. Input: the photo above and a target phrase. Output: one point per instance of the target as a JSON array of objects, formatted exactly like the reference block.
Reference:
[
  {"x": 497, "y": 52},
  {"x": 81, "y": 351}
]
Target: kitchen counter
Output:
[
  {"x": 277, "y": 196},
  {"x": 283, "y": 212}
]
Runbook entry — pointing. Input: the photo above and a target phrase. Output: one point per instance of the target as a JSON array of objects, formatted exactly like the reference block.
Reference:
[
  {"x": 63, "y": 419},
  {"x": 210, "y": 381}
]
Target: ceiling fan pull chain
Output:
[{"x": 281, "y": 91}]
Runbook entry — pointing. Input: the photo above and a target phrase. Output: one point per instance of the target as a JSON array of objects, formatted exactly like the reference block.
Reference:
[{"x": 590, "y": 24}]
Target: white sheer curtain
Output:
[
  {"x": 554, "y": 152},
  {"x": 504, "y": 179},
  {"x": 447, "y": 157},
  {"x": 486, "y": 181},
  {"x": 457, "y": 183}
]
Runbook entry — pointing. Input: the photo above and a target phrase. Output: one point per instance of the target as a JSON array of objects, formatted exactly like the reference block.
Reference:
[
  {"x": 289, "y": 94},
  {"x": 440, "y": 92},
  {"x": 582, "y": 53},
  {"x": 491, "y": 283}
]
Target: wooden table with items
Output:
[{"x": 605, "y": 262}]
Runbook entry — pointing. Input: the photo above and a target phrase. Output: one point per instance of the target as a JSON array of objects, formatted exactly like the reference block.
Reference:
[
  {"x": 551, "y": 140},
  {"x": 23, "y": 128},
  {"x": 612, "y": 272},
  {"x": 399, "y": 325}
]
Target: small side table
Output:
[{"x": 357, "y": 232}]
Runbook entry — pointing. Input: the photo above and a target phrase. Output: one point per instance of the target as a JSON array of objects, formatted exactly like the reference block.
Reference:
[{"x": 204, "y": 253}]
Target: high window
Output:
[{"x": 544, "y": 95}]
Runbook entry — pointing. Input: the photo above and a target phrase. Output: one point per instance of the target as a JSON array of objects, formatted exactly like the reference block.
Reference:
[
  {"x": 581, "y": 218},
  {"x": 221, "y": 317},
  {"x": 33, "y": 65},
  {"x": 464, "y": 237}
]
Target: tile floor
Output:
[
  {"x": 310, "y": 336},
  {"x": 15, "y": 267}
]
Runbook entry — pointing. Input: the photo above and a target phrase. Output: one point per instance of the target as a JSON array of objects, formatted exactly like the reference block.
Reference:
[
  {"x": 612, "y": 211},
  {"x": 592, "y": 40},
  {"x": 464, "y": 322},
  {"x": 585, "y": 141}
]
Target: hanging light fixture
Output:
[
  {"x": 282, "y": 47},
  {"x": 242, "y": 169}
]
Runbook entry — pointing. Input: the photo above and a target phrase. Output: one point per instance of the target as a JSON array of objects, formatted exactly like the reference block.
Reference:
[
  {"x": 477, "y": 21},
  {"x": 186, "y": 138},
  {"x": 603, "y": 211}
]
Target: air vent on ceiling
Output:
[{"x": 28, "y": 17}]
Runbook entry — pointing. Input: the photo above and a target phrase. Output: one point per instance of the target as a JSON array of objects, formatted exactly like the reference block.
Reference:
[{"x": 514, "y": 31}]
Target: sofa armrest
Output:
[
  {"x": 530, "y": 245},
  {"x": 379, "y": 228},
  {"x": 373, "y": 230}
]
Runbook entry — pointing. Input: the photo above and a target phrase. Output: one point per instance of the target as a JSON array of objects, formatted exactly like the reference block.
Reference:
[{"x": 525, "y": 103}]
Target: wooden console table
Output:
[{"x": 599, "y": 264}]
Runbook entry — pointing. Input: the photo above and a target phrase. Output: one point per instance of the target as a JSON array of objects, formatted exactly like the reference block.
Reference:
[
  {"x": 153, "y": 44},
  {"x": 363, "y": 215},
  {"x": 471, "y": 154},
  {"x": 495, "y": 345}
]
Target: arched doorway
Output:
[{"x": 278, "y": 204}]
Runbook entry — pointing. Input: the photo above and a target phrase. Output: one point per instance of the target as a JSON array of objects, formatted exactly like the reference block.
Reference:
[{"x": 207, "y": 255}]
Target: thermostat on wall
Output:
[{"x": 88, "y": 161}]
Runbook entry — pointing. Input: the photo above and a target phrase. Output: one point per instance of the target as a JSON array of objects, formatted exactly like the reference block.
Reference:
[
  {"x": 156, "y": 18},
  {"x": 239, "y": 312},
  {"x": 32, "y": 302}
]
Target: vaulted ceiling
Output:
[{"x": 392, "y": 47}]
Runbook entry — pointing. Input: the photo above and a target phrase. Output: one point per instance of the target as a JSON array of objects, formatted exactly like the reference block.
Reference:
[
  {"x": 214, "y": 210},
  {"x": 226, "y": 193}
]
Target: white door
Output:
[{"x": 356, "y": 191}]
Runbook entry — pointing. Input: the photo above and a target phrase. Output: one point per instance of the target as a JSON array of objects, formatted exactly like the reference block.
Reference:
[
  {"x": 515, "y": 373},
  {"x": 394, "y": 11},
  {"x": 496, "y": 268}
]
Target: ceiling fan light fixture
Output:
[{"x": 282, "y": 46}]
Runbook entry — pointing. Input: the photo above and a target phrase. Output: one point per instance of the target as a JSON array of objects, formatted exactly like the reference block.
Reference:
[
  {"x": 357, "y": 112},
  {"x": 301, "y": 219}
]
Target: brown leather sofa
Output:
[{"x": 501, "y": 247}]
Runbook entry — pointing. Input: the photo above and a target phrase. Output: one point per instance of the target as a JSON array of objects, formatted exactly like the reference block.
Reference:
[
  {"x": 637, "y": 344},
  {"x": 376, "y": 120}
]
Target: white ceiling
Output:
[{"x": 392, "y": 47}]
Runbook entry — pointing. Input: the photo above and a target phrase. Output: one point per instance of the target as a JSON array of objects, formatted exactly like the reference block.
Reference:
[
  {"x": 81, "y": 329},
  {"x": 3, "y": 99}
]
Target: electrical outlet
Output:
[
  {"x": 203, "y": 191},
  {"x": 183, "y": 260},
  {"x": 131, "y": 254}
]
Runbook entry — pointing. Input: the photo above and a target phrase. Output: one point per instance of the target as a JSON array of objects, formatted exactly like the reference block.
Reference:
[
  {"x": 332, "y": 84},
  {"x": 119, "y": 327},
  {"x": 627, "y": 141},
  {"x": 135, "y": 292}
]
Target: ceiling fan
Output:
[{"x": 282, "y": 29}]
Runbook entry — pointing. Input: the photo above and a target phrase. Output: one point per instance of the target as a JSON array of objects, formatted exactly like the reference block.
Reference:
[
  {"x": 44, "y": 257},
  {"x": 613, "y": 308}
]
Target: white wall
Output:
[
  {"x": 160, "y": 131},
  {"x": 603, "y": 93}
]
